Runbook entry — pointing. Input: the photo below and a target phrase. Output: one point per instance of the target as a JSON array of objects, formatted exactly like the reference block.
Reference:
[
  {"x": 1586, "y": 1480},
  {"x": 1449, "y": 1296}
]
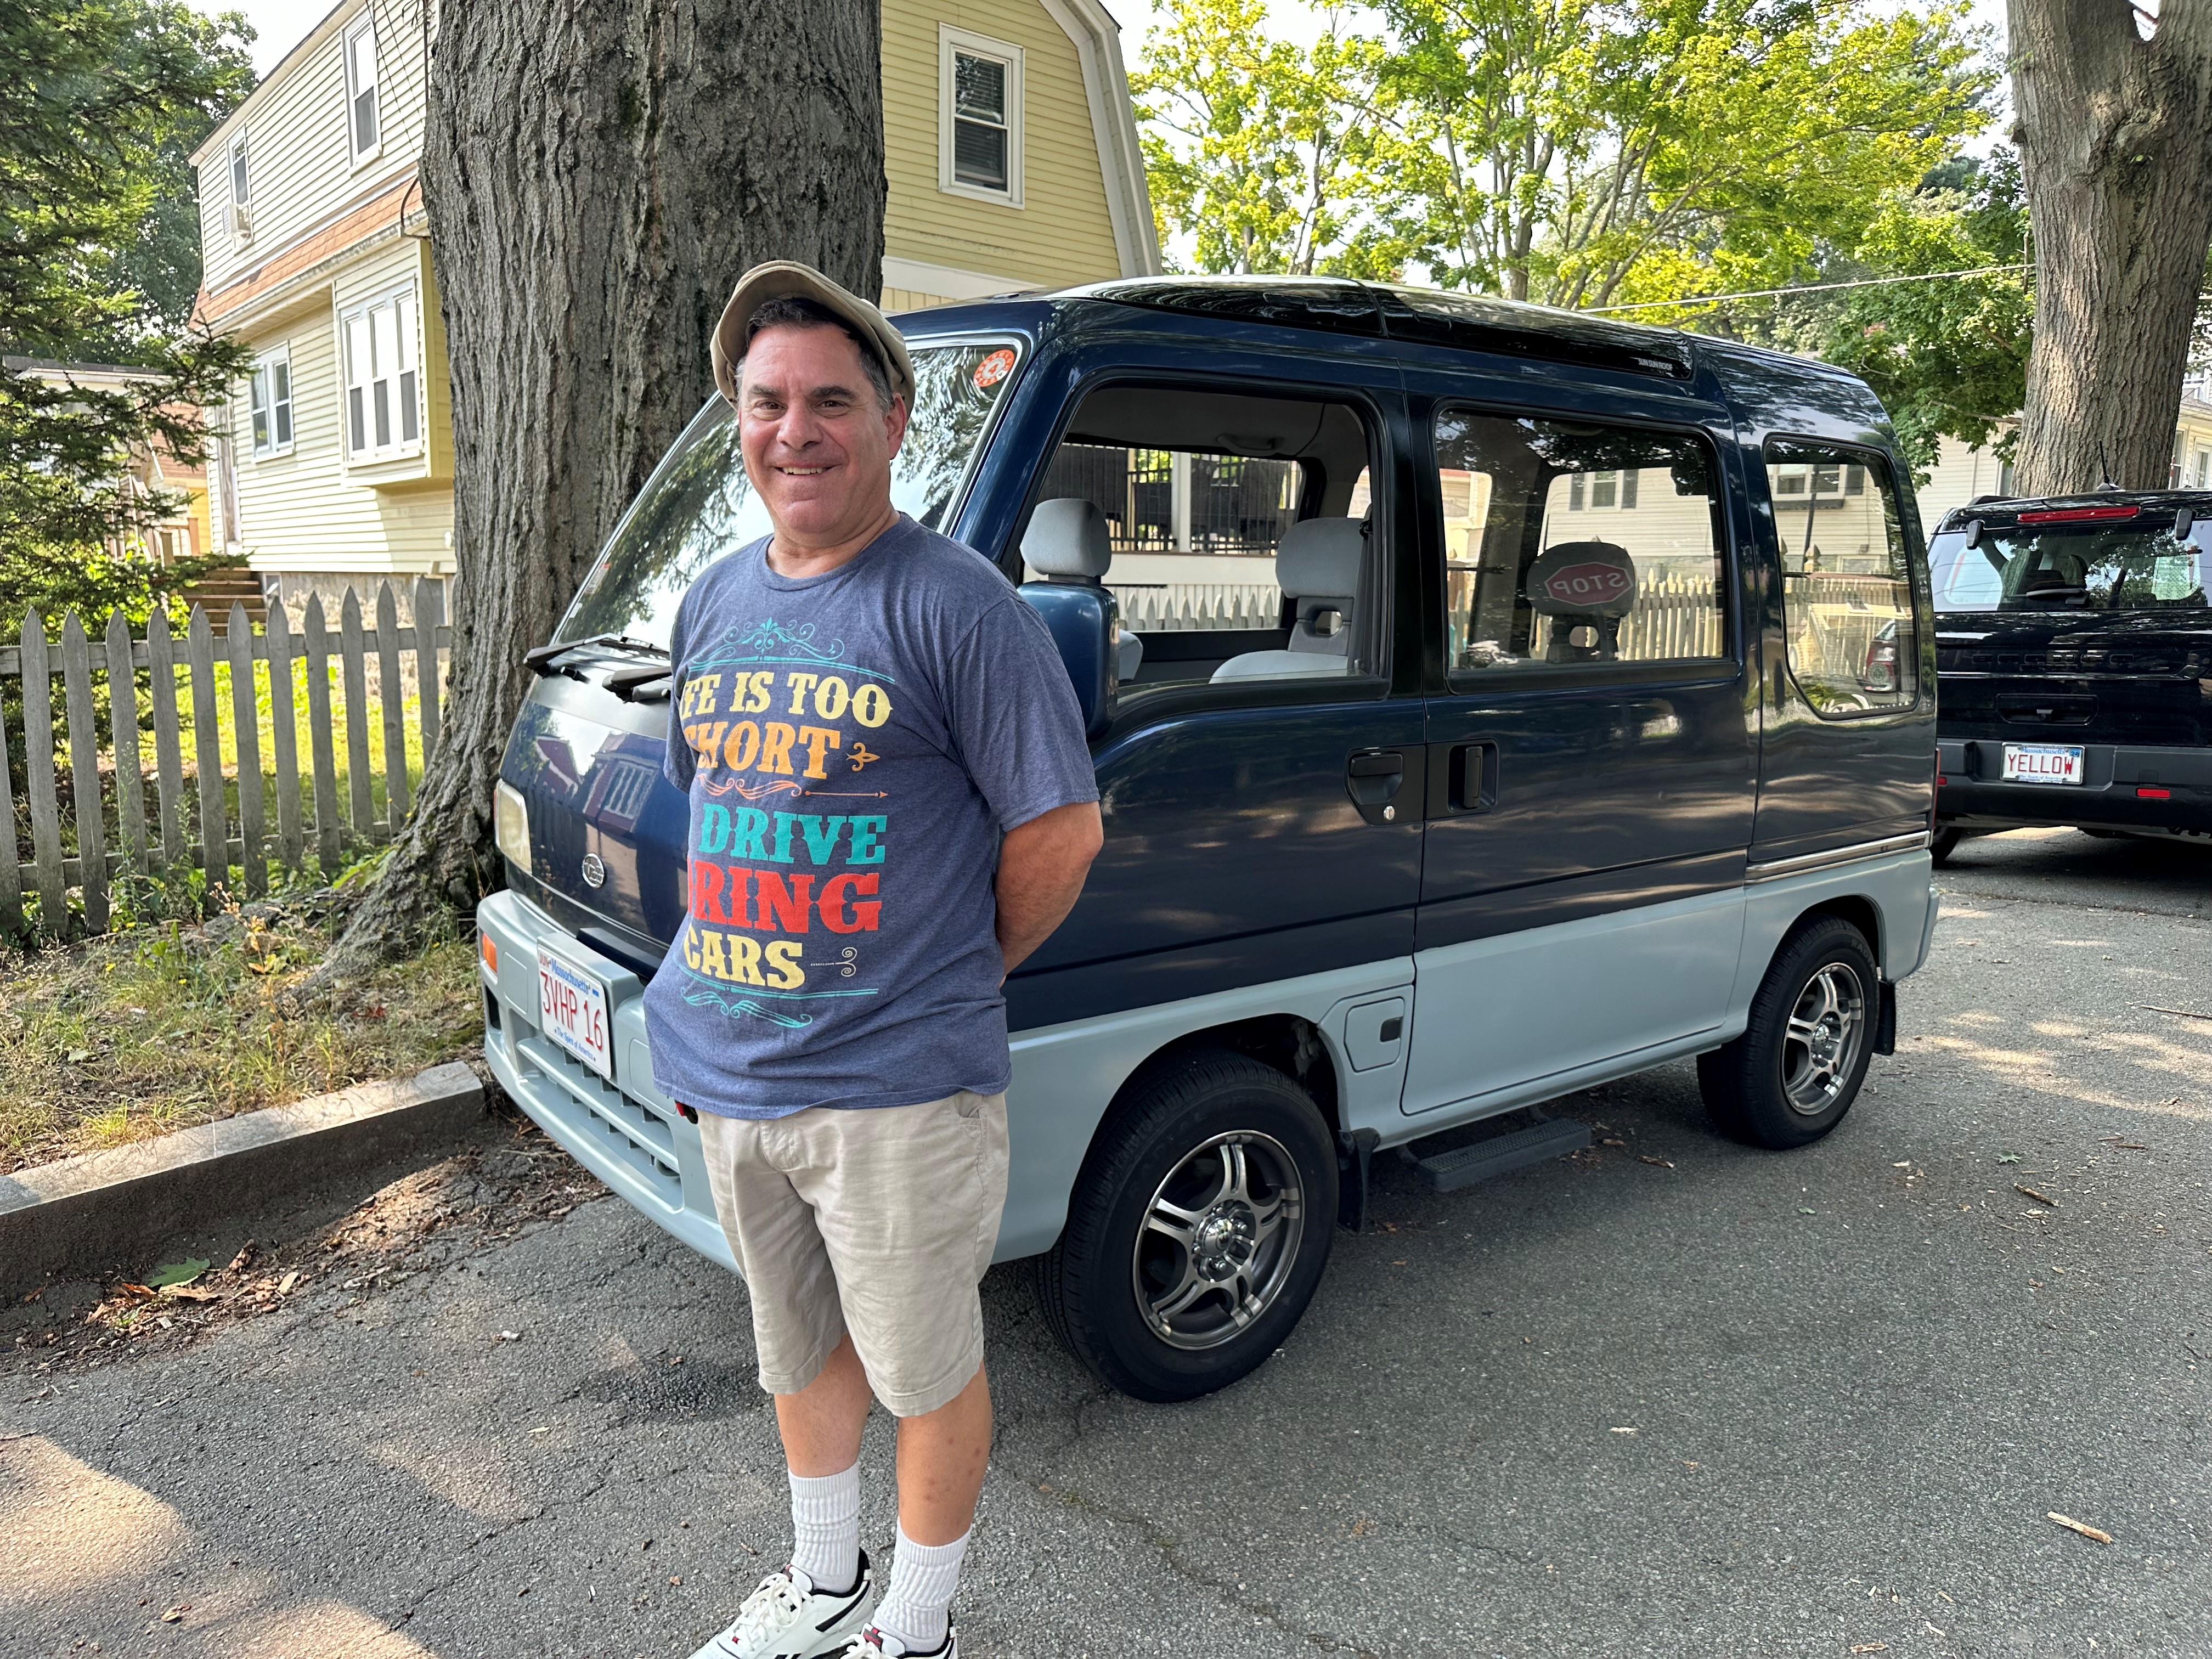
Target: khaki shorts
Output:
[{"x": 878, "y": 1222}]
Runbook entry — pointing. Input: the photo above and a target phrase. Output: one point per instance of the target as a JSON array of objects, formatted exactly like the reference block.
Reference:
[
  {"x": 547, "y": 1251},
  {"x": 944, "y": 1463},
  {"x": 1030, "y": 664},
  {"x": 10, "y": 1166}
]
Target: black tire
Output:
[
  {"x": 1173, "y": 1139},
  {"x": 1749, "y": 1085},
  {"x": 1942, "y": 845}
]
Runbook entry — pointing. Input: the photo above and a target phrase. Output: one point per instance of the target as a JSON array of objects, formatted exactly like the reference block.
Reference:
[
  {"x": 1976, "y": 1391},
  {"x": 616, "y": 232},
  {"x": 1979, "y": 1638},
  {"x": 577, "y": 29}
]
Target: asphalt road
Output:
[{"x": 1721, "y": 1403}]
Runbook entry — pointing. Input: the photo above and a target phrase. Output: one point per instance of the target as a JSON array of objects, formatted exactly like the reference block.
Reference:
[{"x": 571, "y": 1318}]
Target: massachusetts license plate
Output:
[
  {"x": 2042, "y": 763},
  {"x": 572, "y": 1005}
]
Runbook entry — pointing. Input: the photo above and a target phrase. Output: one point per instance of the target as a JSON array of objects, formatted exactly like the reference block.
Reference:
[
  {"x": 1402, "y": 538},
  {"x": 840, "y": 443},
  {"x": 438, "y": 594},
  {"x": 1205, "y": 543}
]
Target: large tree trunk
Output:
[
  {"x": 2115, "y": 135},
  {"x": 597, "y": 173}
]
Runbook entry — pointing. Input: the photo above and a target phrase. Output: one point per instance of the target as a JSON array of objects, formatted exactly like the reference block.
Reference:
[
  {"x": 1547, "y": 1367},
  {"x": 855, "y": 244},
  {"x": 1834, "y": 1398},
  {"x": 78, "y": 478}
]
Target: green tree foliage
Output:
[
  {"x": 1615, "y": 153},
  {"x": 98, "y": 258},
  {"x": 1257, "y": 152}
]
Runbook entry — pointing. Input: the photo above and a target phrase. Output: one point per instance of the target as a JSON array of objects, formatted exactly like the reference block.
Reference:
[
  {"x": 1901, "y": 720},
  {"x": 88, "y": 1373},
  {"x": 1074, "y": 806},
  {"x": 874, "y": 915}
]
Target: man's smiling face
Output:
[{"x": 817, "y": 444}]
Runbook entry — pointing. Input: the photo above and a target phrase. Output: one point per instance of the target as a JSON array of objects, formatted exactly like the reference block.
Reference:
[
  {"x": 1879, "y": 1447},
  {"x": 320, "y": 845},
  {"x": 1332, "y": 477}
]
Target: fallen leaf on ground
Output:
[
  {"x": 1613, "y": 1140},
  {"x": 1871, "y": 1647},
  {"x": 1663, "y": 1162},
  {"x": 1625, "y": 1430},
  {"x": 2008, "y": 1158},
  {"x": 176, "y": 1273},
  {"x": 2072, "y": 1525},
  {"x": 2030, "y": 1192},
  {"x": 284, "y": 1284},
  {"x": 191, "y": 1293},
  {"x": 176, "y": 1612},
  {"x": 1363, "y": 1527}
]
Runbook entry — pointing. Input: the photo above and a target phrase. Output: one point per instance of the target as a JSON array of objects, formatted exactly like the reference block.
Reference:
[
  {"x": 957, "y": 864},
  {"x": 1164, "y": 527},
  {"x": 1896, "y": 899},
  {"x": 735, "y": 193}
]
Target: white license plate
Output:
[
  {"x": 2042, "y": 763},
  {"x": 572, "y": 1006}
]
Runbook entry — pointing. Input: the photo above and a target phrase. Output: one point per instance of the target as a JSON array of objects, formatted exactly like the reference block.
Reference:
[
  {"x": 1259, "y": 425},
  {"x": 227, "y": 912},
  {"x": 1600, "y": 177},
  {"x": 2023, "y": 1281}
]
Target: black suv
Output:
[{"x": 2073, "y": 649}]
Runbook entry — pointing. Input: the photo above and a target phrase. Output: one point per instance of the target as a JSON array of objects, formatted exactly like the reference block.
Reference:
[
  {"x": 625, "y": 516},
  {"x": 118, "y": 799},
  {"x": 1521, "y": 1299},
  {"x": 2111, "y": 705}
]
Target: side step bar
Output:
[{"x": 1538, "y": 1143}]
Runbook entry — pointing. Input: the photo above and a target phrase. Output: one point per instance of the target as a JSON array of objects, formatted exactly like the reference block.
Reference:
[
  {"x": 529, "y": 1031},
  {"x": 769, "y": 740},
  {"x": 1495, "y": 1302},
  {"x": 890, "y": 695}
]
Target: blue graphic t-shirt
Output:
[{"x": 854, "y": 746}]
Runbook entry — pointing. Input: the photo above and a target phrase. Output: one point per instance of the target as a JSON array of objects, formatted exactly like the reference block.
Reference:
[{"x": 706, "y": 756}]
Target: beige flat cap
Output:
[{"x": 781, "y": 279}]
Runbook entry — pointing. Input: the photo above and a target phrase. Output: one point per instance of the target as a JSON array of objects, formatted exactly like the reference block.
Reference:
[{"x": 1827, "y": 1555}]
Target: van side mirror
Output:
[{"x": 1085, "y": 624}]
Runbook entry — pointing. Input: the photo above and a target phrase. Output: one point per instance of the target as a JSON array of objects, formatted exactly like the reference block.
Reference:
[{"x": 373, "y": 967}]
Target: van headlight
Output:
[{"x": 510, "y": 816}]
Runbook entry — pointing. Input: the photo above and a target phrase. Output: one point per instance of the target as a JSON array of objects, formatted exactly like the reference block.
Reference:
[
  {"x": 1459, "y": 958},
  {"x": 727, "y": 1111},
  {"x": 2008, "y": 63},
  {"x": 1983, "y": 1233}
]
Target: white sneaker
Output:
[
  {"x": 873, "y": 1644},
  {"x": 787, "y": 1618}
]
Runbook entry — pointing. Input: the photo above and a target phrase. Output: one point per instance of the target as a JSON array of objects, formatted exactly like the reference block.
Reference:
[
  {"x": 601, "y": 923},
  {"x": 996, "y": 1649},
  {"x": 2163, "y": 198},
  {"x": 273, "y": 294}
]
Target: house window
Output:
[
  {"x": 1602, "y": 490},
  {"x": 269, "y": 403},
  {"x": 241, "y": 188},
  {"x": 382, "y": 348},
  {"x": 362, "y": 125},
  {"x": 2204, "y": 469},
  {"x": 980, "y": 124}
]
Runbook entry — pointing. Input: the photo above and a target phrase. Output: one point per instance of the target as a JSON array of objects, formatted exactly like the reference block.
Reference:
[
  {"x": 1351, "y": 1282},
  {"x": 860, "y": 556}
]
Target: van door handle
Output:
[
  {"x": 1373, "y": 777},
  {"x": 1462, "y": 778}
]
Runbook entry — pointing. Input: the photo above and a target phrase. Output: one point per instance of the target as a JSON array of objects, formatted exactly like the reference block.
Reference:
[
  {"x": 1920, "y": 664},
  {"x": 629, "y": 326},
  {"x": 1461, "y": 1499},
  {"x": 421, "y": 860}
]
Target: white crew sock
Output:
[
  {"x": 914, "y": 1609},
  {"x": 825, "y": 1524}
]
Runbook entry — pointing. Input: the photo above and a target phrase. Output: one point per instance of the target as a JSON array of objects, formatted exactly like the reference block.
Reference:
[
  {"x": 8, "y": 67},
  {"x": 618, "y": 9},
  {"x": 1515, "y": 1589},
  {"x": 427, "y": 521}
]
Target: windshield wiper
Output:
[
  {"x": 640, "y": 682},
  {"x": 540, "y": 660}
]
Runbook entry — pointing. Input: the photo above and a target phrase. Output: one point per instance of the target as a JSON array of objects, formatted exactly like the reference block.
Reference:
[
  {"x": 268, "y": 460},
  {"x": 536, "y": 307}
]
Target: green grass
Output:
[{"x": 169, "y": 1024}]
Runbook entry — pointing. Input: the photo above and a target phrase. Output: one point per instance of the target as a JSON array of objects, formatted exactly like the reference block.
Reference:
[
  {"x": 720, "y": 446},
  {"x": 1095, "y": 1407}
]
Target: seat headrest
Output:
[
  {"x": 1068, "y": 538},
  {"x": 1320, "y": 556}
]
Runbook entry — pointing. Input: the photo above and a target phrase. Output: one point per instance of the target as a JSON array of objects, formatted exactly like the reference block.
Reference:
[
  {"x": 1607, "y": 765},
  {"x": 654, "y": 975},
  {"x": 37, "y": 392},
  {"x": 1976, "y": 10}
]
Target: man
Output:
[{"x": 892, "y": 804}]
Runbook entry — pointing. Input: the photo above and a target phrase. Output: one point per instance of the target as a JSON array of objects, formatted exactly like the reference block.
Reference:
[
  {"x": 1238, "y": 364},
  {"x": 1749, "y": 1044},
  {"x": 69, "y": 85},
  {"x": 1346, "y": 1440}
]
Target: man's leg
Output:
[
  {"x": 941, "y": 1458},
  {"x": 821, "y": 1425},
  {"x": 808, "y": 1363}
]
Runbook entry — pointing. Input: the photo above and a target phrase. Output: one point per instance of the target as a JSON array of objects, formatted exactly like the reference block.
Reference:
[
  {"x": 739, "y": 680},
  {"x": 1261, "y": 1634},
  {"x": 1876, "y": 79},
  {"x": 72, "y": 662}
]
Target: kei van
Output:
[{"x": 1480, "y": 701}]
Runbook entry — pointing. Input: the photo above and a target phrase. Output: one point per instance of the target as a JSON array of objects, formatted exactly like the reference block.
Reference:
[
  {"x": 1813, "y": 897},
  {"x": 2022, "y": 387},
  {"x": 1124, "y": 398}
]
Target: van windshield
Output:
[
  {"x": 2129, "y": 565},
  {"x": 699, "y": 505}
]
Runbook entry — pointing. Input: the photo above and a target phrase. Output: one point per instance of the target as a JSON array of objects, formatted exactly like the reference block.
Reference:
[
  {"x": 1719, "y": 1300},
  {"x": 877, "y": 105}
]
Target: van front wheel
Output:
[
  {"x": 1794, "y": 1071},
  {"x": 1197, "y": 1232}
]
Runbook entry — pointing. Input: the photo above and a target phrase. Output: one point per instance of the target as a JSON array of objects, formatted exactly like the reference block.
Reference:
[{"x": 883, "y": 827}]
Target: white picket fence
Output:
[
  {"x": 1181, "y": 605},
  {"x": 205, "y": 815}
]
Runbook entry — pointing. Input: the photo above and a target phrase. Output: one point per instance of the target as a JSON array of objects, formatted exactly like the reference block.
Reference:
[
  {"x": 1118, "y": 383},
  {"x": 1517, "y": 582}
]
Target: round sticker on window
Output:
[{"x": 994, "y": 368}]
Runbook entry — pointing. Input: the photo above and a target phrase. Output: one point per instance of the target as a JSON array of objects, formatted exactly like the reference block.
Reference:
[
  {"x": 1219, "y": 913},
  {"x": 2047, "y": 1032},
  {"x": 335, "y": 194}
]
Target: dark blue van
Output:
[{"x": 1487, "y": 702}]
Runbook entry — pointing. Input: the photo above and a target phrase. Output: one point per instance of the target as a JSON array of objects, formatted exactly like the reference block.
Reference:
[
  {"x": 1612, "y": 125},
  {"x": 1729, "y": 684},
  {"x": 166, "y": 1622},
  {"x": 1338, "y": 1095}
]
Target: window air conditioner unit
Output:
[{"x": 242, "y": 219}]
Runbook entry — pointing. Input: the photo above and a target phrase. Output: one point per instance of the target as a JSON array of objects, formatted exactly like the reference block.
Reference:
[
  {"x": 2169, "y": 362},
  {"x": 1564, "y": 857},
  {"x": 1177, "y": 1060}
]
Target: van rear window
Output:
[
  {"x": 699, "y": 505},
  {"x": 2134, "y": 565}
]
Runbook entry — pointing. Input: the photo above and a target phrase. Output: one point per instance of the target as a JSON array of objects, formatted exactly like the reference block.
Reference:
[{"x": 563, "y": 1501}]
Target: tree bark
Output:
[
  {"x": 597, "y": 173},
  {"x": 2115, "y": 134}
]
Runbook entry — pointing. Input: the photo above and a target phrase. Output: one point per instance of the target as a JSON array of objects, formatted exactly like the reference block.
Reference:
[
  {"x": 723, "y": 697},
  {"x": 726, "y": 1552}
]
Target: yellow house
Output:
[{"x": 1013, "y": 163}]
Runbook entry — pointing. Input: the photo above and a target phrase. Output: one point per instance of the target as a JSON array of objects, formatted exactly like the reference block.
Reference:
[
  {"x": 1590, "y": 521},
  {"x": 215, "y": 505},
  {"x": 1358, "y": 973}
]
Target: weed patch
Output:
[{"x": 160, "y": 1027}]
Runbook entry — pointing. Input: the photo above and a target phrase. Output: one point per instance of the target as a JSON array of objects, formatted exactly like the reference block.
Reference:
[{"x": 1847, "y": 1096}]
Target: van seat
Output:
[
  {"x": 1068, "y": 541},
  {"x": 1317, "y": 568}
]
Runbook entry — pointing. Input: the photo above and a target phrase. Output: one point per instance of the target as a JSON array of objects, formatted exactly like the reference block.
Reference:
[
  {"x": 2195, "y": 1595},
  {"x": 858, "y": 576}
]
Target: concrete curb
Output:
[{"x": 83, "y": 1215}]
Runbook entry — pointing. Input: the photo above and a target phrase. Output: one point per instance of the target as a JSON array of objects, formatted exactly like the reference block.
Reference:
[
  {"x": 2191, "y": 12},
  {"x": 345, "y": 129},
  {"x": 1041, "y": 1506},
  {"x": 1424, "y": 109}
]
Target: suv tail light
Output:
[{"x": 1879, "y": 672}]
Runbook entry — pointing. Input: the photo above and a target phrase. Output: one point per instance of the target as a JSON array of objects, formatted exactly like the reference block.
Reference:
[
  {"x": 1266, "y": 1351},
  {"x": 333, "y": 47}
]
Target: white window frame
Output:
[
  {"x": 953, "y": 41},
  {"x": 362, "y": 155},
  {"x": 242, "y": 187},
  {"x": 267, "y": 414},
  {"x": 354, "y": 375}
]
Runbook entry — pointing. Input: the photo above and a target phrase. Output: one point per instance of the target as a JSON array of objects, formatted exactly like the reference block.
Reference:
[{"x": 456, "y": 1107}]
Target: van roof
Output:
[{"x": 1470, "y": 322}]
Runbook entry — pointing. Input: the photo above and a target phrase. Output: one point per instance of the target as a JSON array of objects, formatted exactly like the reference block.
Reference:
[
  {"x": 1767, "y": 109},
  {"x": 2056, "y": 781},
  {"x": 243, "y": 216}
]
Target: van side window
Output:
[
  {"x": 1571, "y": 542},
  {"x": 1846, "y": 583},
  {"x": 1234, "y": 531}
]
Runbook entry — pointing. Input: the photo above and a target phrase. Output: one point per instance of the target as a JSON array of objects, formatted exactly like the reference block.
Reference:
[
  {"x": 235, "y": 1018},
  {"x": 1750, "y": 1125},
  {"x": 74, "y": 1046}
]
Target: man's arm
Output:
[{"x": 1041, "y": 865}]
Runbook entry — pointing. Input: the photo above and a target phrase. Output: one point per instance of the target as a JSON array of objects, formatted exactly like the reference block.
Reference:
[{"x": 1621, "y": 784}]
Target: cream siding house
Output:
[
  {"x": 1963, "y": 472},
  {"x": 1012, "y": 165}
]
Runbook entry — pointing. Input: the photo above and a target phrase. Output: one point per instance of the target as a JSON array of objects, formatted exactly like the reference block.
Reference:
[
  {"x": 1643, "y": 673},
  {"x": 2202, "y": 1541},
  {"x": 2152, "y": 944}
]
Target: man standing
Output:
[{"x": 892, "y": 804}]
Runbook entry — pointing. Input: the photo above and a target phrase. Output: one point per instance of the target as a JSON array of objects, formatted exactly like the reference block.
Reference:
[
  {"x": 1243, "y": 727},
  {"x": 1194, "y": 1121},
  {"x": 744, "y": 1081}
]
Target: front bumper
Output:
[
  {"x": 1974, "y": 796},
  {"x": 626, "y": 1134}
]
